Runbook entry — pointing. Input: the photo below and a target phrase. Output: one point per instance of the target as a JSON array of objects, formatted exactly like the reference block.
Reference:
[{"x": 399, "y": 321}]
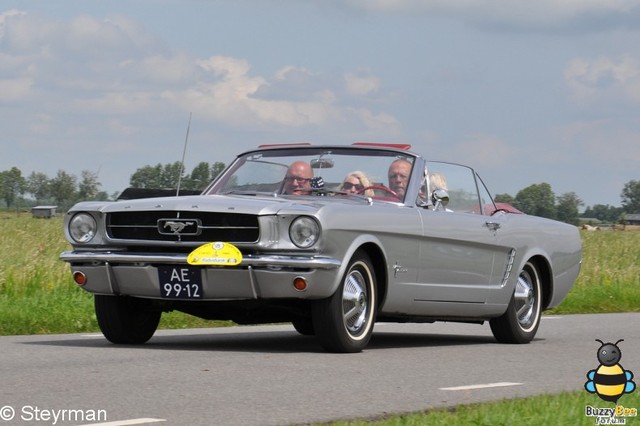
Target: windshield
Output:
[{"x": 378, "y": 174}]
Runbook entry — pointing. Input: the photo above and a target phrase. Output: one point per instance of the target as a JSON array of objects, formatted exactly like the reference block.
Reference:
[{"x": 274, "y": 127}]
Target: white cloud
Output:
[
  {"x": 361, "y": 83},
  {"x": 385, "y": 124},
  {"x": 23, "y": 34},
  {"x": 236, "y": 98},
  {"x": 230, "y": 98},
  {"x": 8, "y": 14},
  {"x": 163, "y": 69},
  {"x": 604, "y": 79},
  {"x": 112, "y": 66}
]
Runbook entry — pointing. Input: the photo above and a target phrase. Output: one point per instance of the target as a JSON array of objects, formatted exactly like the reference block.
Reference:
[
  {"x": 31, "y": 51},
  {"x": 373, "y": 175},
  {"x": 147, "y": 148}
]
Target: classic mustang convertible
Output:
[{"x": 329, "y": 238}]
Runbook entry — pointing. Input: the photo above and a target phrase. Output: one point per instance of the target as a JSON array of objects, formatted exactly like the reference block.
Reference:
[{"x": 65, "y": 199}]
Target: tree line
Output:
[
  {"x": 540, "y": 200},
  {"x": 65, "y": 189}
]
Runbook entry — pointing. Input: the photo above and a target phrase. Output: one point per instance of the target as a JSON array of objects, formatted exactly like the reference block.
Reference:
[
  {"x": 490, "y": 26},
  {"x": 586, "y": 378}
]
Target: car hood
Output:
[{"x": 241, "y": 204}]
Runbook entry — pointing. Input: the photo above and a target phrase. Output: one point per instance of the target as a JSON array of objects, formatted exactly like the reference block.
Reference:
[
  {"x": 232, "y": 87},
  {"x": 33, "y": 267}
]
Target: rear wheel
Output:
[
  {"x": 344, "y": 321},
  {"x": 520, "y": 322},
  {"x": 126, "y": 320}
]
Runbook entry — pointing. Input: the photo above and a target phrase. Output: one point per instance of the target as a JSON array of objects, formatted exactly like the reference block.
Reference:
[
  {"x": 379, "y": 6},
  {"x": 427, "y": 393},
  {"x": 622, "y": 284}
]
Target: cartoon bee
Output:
[{"x": 609, "y": 381}]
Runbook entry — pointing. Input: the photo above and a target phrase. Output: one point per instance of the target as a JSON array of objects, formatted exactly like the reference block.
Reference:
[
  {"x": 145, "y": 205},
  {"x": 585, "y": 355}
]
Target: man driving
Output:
[
  {"x": 399, "y": 172},
  {"x": 297, "y": 181}
]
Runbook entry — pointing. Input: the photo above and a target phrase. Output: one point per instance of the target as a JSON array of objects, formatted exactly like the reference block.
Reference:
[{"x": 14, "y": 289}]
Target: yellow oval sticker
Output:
[{"x": 218, "y": 253}]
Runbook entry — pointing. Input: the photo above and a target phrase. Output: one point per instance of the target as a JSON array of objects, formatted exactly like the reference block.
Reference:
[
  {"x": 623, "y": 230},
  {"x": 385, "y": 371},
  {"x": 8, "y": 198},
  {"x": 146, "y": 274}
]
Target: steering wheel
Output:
[{"x": 382, "y": 187}]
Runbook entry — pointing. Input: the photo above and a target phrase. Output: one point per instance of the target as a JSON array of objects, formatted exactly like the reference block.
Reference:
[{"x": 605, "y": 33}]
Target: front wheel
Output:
[
  {"x": 344, "y": 321},
  {"x": 520, "y": 322},
  {"x": 304, "y": 326},
  {"x": 126, "y": 320}
]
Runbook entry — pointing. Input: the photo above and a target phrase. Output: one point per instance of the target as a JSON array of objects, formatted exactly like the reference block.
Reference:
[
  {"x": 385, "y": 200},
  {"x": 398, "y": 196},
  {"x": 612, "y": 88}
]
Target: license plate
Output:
[{"x": 180, "y": 282}]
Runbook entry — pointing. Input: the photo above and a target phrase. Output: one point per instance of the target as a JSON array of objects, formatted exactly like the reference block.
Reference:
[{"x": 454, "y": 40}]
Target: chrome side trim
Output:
[{"x": 510, "y": 258}]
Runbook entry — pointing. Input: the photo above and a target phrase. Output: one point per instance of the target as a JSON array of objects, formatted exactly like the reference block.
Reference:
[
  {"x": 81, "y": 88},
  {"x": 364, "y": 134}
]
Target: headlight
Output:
[
  {"x": 304, "y": 232},
  {"x": 82, "y": 228}
]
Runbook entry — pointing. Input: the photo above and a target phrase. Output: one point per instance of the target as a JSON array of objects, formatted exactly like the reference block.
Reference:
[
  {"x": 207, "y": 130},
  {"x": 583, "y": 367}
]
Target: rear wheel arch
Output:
[
  {"x": 546, "y": 280},
  {"x": 520, "y": 322}
]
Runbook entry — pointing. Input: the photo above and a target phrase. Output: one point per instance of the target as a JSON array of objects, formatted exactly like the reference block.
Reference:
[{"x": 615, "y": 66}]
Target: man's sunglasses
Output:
[{"x": 297, "y": 179}]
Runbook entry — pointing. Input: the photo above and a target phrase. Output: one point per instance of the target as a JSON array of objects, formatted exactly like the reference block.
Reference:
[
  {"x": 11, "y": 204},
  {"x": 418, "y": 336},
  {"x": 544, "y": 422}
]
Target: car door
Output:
[{"x": 459, "y": 243}]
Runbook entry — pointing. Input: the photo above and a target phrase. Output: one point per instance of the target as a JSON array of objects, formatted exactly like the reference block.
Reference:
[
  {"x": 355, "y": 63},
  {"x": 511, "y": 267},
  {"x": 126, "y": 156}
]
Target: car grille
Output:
[{"x": 203, "y": 226}]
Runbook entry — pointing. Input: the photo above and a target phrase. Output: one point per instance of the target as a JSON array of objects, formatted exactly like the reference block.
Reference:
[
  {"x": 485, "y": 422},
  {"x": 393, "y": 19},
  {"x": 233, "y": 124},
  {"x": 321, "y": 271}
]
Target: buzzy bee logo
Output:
[{"x": 610, "y": 381}]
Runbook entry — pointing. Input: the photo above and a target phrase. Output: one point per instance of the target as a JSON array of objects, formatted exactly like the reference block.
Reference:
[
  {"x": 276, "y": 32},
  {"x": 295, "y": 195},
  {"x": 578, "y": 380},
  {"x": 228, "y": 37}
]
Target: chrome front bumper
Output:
[
  {"x": 258, "y": 276},
  {"x": 273, "y": 261}
]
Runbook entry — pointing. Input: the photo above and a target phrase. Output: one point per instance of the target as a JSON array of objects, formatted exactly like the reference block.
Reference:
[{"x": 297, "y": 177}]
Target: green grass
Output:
[
  {"x": 610, "y": 274},
  {"x": 564, "y": 409},
  {"x": 38, "y": 296},
  {"x": 37, "y": 293}
]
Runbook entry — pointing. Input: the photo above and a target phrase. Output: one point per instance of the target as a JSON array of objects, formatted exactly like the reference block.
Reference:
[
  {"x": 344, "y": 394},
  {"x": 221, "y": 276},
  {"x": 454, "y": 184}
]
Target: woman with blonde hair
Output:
[{"x": 355, "y": 182}]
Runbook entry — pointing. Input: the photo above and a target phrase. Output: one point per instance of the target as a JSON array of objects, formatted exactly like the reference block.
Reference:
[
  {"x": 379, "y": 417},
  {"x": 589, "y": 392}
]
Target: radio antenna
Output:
[{"x": 184, "y": 151}]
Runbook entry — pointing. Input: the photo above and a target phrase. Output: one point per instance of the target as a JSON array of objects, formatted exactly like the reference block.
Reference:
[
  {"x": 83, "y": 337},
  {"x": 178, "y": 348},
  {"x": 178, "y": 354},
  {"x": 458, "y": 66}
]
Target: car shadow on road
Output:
[{"x": 270, "y": 341}]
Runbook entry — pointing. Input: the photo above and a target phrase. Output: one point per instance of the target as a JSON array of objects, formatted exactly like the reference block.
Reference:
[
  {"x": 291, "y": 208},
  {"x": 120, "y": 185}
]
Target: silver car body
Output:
[{"x": 432, "y": 259}]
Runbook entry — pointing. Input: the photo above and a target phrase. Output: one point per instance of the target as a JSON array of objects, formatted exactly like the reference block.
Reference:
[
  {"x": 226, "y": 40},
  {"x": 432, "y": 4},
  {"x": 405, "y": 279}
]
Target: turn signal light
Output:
[
  {"x": 299, "y": 283},
  {"x": 80, "y": 278}
]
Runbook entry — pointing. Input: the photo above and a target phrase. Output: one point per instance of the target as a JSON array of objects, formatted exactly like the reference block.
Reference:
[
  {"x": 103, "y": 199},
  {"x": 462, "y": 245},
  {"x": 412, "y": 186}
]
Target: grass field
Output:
[
  {"x": 37, "y": 295},
  {"x": 563, "y": 409},
  {"x": 610, "y": 276}
]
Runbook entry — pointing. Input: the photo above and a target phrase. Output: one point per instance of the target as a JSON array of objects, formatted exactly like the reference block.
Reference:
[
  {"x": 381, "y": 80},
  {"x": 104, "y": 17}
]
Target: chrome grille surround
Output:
[{"x": 186, "y": 226}]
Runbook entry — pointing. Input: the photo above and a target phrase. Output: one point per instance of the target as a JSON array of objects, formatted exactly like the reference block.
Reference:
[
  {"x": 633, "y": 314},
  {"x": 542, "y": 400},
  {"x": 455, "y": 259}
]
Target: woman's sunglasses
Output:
[{"x": 349, "y": 185}]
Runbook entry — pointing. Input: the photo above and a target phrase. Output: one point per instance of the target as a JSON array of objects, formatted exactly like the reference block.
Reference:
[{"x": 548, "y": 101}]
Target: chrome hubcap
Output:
[
  {"x": 355, "y": 302},
  {"x": 525, "y": 300}
]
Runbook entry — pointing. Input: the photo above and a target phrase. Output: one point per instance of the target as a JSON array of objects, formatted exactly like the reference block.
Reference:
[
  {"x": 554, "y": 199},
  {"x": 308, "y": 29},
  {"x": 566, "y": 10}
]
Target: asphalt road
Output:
[{"x": 270, "y": 375}]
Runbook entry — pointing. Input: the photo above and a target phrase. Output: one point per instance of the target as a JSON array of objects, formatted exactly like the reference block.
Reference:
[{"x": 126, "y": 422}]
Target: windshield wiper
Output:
[{"x": 252, "y": 193}]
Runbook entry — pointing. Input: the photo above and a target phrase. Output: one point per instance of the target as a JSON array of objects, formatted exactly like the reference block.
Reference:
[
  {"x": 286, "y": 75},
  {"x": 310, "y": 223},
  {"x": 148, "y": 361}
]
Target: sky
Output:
[{"x": 526, "y": 92}]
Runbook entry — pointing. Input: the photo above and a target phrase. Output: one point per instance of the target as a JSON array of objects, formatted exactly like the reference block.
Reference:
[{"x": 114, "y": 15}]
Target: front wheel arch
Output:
[{"x": 379, "y": 263}]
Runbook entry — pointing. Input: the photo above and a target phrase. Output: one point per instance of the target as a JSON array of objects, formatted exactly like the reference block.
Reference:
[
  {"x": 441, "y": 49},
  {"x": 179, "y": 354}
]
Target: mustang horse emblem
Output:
[{"x": 176, "y": 227}]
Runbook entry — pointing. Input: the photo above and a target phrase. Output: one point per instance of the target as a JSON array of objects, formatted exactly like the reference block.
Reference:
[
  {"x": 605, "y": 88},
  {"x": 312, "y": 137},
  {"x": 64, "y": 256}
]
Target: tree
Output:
[
  {"x": 504, "y": 198},
  {"x": 101, "y": 196},
  {"x": 171, "y": 174},
  {"x": 537, "y": 200},
  {"x": 38, "y": 185},
  {"x": 12, "y": 184},
  {"x": 147, "y": 177},
  {"x": 167, "y": 176},
  {"x": 216, "y": 169},
  {"x": 63, "y": 188},
  {"x": 202, "y": 175},
  {"x": 631, "y": 196},
  {"x": 199, "y": 178},
  {"x": 567, "y": 208},
  {"x": 89, "y": 186},
  {"x": 157, "y": 177},
  {"x": 605, "y": 213}
]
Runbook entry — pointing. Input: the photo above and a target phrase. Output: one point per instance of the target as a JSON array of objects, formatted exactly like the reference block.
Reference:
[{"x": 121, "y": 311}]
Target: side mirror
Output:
[{"x": 440, "y": 199}]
